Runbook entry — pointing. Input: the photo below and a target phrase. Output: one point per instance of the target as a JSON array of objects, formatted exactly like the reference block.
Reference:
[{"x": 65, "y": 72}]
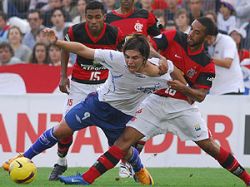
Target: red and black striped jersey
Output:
[
  {"x": 137, "y": 21},
  {"x": 198, "y": 67},
  {"x": 87, "y": 71}
]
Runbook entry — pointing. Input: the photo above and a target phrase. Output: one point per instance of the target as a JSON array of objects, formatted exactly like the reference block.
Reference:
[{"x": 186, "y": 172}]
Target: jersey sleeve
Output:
[
  {"x": 162, "y": 41},
  {"x": 109, "y": 58},
  {"x": 206, "y": 77},
  {"x": 153, "y": 29}
]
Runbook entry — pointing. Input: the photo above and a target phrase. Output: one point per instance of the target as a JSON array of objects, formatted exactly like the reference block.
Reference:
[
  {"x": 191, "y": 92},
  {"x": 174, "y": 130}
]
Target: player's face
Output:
[
  {"x": 95, "y": 20},
  {"x": 197, "y": 34},
  {"x": 134, "y": 60},
  {"x": 127, "y": 4}
]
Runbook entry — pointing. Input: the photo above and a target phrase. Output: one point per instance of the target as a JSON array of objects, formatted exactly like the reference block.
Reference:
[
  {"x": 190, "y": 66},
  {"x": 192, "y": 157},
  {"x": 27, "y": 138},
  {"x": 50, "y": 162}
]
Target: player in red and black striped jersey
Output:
[
  {"x": 86, "y": 75},
  {"x": 131, "y": 20},
  {"x": 196, "y": 65}
]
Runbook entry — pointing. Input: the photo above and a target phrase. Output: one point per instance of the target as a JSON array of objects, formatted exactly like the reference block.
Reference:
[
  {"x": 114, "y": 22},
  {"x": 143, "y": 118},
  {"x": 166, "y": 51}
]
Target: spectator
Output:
[
  {"x": 225, "y": 18},
  {"x": 170, "y": 11},
  {"x": 212, "y": 15},
  {"x": 7, "y": 55},
  {"x": 69, "y": 6},
  {"x": 53, "y": 4},
  {"x": 242, "y": 9},
  {"x": 21, "y": 51},
  {"x": 81, "y": 4},
  {"x": 147, "y": 5},
  {"x": 195, "y": 7},
  {"x": 54, "y": 55},
  {"x": 238, "y": 34},
  {"x": 35, "y": 22},
  {"x": 229, "y": 78},
  {"x": 182, "y": 21},
  {"x": 40, "y": 54},
  {"x": 58, "y": 21},
  {"x": 109, "y": 5},
  {"x": 4, "y": 27}
]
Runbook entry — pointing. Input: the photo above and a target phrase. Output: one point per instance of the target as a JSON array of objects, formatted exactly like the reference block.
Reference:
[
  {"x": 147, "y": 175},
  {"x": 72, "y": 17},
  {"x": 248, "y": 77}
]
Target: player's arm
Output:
[
  {"x": 64, "y": 83},
  {"x": 73, "y": 47},
  {"x": 225, "y": 63},
  {"x": 198, "y": 94},
  {"x": 202, "y": 85},
  {"x": 165, "y": 66}
]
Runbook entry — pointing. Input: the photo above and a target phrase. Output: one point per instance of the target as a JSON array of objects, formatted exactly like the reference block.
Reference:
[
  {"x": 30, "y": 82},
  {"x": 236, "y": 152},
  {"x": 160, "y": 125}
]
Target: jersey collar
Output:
[
  {"x": 95, "y": 39},
  {"x": 191, "y": 53}
]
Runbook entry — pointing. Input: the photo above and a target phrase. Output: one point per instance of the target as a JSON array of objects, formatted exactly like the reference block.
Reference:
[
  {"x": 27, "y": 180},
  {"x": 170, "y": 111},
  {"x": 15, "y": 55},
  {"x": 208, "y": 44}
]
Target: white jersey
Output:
[{"x": 124, "y": 90}]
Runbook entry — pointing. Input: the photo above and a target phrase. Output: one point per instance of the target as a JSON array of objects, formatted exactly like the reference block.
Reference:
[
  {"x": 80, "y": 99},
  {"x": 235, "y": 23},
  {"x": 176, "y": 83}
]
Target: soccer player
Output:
[
  {"x": 86, "y": 75},
  {"x": 170, "y": 110},
  {"x": 114, "y": 104},
  {"x": 131, "y": 20}
]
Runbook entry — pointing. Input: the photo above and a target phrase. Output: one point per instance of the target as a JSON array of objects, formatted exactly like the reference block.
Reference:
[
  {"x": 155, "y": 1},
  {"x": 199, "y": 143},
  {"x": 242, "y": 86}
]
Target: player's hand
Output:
[
  {"x": 50, "y": 34},
  {"x": 176, "y": 85},
  {"x": 163, "y": 66},
  {"x": 64, "y": 85}
]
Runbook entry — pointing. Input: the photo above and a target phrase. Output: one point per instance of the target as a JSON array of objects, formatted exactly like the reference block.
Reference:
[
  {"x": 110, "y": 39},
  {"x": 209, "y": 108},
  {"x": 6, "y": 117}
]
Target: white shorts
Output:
[
  {"x": 78, "y": 92},
  {"x": 160, "y": 115}
]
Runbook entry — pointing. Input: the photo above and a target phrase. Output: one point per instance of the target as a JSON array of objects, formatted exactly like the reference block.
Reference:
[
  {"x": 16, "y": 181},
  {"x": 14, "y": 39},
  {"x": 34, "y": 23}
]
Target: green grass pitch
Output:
[{"x": 164, "y": 177}]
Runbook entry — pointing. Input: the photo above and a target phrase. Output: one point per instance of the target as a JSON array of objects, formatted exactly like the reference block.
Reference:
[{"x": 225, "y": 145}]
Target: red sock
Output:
[
  {"x": 229, "y": 162},
  {"x": 104, "y": 163},
  {"x": 63, "y": 146}
]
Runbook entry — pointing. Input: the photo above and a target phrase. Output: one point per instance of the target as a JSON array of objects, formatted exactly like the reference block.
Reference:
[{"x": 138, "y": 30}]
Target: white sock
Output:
[{"x": 62, "y": 161}]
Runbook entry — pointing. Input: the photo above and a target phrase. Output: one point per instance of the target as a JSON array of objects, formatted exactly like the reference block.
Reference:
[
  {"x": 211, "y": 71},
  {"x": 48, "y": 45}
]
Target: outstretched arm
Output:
[{"x": 72, "y": 47}]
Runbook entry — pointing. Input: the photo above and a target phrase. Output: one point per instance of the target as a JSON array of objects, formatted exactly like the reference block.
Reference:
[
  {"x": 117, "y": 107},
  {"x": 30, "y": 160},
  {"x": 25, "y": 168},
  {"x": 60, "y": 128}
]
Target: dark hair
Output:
[
  {"x": 33, "y": 58},
  {"x": 93, "y": 5},
  {"x": 3, "y": 15},
  {"x": 32, "y": 11},
  {"x": 8, "y": 46},
  {"x": 211, "y": 28},
  {"x": 61, "y": 10},
  {"x": 139, "y": 43}
]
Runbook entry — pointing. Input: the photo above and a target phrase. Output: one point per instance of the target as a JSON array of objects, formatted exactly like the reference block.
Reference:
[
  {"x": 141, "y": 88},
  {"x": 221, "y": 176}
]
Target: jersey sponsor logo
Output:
[
  {"x": 191, "y": 72},
  {"x": 140, "y": 75},
  {"x": 94, "y": 67},
  {"x": 210, "y": 79},
  {"x": 177, "y": 56},
  {"x": 138, "y": 27},
  {"x": 149, "y": 89},
  {"x": 197, "y": 127}
]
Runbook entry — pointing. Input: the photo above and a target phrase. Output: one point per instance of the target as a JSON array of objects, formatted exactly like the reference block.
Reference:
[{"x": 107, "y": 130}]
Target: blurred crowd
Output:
[{"x": 22, "y": 22}]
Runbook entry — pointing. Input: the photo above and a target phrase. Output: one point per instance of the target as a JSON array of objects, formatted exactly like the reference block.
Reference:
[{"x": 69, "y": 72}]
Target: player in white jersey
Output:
[{"x": 131, "y": 78}]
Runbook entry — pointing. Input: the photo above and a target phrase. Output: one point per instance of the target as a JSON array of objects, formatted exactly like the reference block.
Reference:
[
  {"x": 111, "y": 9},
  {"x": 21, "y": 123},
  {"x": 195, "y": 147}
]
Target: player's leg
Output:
[
  {"x": 225, "y": 159},
  {"x": 78, "y": 92},
  {"x": 125, "y": 169},
  {"x": 192, "y": 126},
  {"x": 109, "y": 159}
]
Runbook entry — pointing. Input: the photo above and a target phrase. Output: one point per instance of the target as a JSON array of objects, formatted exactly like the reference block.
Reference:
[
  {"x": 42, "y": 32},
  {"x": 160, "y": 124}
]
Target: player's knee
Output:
[{"x": 123, "y": 143}]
